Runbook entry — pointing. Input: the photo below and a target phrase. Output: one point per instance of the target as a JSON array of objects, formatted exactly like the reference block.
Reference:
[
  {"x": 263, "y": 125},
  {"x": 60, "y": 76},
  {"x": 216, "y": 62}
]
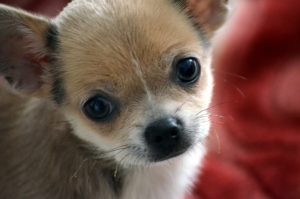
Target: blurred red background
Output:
[
  {"x": 46, "y": 7},
  {"x": 254, "y": 148}
]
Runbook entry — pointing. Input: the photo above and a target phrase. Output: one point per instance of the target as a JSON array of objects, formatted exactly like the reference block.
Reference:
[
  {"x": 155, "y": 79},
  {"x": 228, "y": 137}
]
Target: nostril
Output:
[
  {"x": 158, "y": 139},
  {"x": 174, "y": 133}
]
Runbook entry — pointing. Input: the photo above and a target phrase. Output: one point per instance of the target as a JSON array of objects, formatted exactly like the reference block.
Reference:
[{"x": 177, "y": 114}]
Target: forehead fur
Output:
[{"x": 110, "y": 44}]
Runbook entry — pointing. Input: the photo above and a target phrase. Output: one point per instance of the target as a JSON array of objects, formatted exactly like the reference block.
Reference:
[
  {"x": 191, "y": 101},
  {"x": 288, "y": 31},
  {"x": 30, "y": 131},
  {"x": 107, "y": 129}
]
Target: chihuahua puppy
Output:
[{"x": 107, "y": 101}]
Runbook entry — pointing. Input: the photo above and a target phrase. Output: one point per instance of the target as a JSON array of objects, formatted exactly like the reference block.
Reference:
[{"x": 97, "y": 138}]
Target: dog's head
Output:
[{"x": 132, "y": 77}]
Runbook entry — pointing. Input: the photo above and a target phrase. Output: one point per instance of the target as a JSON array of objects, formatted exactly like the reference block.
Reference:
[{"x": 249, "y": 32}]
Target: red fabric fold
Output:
[{"x": 257, "y": 153}]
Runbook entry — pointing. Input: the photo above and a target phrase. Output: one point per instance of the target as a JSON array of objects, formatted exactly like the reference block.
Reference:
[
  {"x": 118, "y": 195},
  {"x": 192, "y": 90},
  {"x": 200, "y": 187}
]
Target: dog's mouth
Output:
[
  {"x": 140, "y": 156},
  {"x": 157, "y": 157}
]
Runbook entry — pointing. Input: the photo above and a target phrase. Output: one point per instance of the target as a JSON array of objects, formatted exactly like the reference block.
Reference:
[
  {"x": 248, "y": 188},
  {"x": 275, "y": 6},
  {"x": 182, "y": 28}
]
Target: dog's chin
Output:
[
  {"x": 158, "y": 159},
  {"x": 148, "y": 159}
]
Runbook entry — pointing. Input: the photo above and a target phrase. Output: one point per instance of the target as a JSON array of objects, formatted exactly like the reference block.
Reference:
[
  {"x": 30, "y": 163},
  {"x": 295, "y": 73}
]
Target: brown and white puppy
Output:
[{"x": 109, "y": 99}]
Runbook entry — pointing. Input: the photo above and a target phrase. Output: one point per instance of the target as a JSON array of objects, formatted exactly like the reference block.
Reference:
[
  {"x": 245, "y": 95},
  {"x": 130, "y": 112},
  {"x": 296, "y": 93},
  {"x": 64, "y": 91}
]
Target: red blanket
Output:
[
  {"x": 255, "y": 147},
  {"x": 255, "y": 143},
  {"x": 46, "y": 7}
]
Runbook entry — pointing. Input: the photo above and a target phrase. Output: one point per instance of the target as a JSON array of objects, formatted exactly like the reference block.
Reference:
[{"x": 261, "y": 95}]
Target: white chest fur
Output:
[{"x": 169, "y": 180}]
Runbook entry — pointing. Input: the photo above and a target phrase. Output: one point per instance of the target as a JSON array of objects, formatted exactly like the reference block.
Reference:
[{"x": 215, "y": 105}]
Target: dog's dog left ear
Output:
[
  {"x": 207, "y": 15},
  {"x": 24, "y": 49}
]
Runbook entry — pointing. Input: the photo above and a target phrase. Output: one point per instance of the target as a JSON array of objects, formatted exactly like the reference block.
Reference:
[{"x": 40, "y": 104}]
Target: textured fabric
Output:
[
  {"x": 255, "y": 147},
  {"x": 46, "y": 7}
]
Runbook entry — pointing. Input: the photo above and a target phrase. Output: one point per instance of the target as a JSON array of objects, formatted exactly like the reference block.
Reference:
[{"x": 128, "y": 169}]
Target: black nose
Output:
[{"x": 165, "y": 138}]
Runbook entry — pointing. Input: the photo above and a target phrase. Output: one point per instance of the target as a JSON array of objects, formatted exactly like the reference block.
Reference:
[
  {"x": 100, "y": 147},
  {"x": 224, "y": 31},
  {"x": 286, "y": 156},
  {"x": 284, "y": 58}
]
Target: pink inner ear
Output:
[
  {"x": 28, "y": 76},
  {"x": 201, "y": 10},
  {"x": 22, "y": 69},
  {"x": 209, "y": 14}
]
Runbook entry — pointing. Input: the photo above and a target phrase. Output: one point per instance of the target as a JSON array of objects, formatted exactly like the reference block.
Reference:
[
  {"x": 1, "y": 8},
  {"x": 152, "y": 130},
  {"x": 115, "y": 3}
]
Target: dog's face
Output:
[{"x": 132, "y": 77}]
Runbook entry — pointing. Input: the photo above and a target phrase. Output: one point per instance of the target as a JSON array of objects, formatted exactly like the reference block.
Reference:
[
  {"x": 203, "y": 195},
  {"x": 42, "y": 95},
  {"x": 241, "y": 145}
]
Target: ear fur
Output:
[
  {"x": 207, "y": 15},
  {"x": 23, "y": 51}
]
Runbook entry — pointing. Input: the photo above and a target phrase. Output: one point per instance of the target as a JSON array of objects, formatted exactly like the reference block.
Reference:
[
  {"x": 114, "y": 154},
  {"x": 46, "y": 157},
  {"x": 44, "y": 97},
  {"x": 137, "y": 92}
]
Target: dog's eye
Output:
[
  {"x": 98, "y": 108},
  {"x": 188, "y": 70}
]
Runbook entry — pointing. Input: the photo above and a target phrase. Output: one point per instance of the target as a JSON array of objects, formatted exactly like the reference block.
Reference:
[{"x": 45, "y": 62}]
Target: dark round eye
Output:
[
  {"x": 188, "y": 70},
  {"x": 98, "y": 108}
]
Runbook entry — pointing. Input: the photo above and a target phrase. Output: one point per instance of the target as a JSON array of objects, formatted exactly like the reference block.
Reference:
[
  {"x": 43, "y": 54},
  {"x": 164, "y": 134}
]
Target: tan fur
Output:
[
  {"x": 112, "y": 50},
  {"x": 125, "y": 49}
]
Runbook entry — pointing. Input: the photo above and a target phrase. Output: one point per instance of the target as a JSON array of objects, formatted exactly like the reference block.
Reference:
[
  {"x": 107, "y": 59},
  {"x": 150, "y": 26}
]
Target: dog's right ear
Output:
[{"x": 25, "y": 50}]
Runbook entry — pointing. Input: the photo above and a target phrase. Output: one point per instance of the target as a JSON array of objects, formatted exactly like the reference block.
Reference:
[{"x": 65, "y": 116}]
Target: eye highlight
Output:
[
  {"x": 187, "y": 70},
  {"x": 98, "y": 108}
]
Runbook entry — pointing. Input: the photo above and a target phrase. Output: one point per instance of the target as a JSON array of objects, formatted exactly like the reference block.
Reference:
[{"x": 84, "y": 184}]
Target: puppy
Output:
[{"x": 107, "y": 101}]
